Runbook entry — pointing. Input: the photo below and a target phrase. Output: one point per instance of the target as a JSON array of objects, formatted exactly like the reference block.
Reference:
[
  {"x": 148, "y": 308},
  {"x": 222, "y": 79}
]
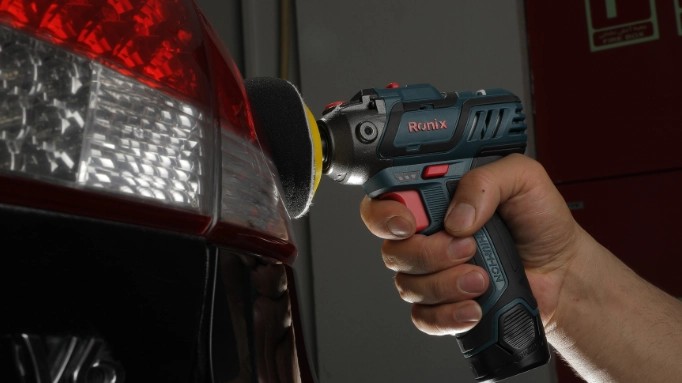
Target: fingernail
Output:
[
  {"x": 460, "y": 216},
  {"x": 472, "y": 282},
  {"x": 399, "y": 226},
  {"x": 468, "y": 313}
]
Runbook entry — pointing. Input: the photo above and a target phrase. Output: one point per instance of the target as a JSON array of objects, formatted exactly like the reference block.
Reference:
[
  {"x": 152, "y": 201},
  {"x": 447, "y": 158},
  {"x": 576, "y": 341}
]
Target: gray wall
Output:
[{"x": 362, "y": 331}]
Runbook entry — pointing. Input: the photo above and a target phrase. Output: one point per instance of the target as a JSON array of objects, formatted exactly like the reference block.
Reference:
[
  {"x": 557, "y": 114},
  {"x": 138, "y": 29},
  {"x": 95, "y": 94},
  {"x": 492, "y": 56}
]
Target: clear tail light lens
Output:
[
  {"x": 130, "y": 110},
  {"x": 73, "y": 121}
]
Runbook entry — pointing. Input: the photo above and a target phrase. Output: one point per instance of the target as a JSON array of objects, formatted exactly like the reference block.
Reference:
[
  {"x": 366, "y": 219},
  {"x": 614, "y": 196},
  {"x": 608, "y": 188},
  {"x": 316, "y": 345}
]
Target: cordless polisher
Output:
[{"x": 413, "y": 144}]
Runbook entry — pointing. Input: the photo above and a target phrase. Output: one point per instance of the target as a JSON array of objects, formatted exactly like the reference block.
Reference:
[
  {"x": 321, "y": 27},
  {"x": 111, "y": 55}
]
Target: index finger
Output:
[{"x": 387, "y": 219}]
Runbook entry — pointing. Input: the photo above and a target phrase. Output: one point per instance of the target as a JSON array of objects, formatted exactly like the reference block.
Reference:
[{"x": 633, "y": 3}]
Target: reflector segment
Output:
[
  {"x": 69, "y": 120},
  {"x": 250, "y": 194}
]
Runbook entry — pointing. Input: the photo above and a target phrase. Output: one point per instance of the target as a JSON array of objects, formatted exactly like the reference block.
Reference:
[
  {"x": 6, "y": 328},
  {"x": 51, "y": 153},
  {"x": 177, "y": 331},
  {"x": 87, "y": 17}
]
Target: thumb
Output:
[{"x": 483, "y": 189}]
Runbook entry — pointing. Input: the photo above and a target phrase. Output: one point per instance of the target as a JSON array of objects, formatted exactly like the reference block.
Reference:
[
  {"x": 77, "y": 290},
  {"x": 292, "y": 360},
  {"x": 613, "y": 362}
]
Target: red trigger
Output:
[{"x": 413, "y": 201}]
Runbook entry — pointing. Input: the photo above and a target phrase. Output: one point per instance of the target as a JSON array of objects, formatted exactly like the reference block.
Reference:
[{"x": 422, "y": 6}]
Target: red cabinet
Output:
[
  {"x": 612, "y": 108},
  {"x": 606, "y": 95},
  {"x": 638, "y": 218}
]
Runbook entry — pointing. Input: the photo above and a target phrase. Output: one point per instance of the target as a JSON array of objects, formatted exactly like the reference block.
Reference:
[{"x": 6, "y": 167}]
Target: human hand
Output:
[{"x": 432, "y": 271}]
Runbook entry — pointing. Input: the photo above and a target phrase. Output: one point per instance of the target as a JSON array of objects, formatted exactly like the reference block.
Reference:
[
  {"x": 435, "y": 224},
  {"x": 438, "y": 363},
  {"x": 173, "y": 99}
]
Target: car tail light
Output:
[{"x": 131, "y": 111}]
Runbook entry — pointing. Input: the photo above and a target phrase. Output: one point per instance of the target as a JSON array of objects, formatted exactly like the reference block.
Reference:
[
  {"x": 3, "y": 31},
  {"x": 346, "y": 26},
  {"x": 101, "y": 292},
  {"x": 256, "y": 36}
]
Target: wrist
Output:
[
  {"x": 578, "y": 275},
  {"x": 577, "y": 321}
]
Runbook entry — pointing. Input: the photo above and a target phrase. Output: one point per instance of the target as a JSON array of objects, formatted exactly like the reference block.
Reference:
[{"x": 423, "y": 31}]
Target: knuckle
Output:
[
  {"x": 429, "y": 321},
  {"x": 440, "y": 289},
  {"x": 390, "y": 261},
  {"x": 432, "y": 255},
  {"x": 422, "y": 261},
  {"x": 421, "y": 322},
  {"x": 403, "y": 291}
]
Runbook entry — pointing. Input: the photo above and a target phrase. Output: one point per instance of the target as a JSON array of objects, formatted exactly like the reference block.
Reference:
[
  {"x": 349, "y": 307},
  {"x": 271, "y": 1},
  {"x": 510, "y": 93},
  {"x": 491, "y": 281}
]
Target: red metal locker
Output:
[
  {"x": 605, "y": 97},
  {"x": 606, "y": 86}
]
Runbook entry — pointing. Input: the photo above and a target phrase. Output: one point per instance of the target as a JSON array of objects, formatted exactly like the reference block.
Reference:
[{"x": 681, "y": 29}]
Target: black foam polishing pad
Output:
[{"x": 289, "y": 133}]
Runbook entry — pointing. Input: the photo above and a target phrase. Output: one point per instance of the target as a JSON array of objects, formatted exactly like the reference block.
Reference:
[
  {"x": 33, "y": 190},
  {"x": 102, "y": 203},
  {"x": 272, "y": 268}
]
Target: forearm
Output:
[{"x": 613, "y": 326}]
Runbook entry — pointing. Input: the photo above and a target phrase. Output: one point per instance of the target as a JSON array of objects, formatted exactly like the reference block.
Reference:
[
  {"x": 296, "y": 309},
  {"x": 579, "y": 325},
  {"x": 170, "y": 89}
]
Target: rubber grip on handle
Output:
[{"x": 510, "y": 338}]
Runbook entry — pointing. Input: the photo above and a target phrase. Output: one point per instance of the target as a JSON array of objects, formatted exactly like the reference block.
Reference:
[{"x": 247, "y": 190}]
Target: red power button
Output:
[{"x": 435, "y": 171}]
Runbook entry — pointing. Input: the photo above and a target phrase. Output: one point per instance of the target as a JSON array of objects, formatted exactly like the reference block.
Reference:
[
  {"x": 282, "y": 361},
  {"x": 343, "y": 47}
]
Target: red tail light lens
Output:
[
  {"x": 130, "y": 110},
  {"x": 160, "y": 41}
]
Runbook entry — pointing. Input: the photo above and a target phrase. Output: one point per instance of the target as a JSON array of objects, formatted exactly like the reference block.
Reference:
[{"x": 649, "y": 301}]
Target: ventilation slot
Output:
[
  {"x": 518, "y": 123},
  {"x": 487, "y": 124}
]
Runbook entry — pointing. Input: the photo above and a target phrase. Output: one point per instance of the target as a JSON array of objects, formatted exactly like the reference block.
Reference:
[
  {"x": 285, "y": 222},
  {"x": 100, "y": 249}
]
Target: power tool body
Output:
[{"x": 413, "y": 144}]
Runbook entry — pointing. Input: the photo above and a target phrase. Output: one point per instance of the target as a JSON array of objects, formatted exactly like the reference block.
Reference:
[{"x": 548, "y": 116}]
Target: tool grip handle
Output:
[{"x": 510, "y": 338}]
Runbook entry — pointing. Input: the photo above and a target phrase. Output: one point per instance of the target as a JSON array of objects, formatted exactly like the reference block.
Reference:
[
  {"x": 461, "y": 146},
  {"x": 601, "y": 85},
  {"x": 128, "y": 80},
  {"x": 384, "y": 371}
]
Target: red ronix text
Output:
[{"x": 413, "y": 126}]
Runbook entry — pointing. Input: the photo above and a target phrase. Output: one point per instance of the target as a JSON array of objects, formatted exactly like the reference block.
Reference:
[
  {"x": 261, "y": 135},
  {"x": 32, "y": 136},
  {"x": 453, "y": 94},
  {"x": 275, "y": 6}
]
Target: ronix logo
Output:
[{"x": 436, "y": 124}]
